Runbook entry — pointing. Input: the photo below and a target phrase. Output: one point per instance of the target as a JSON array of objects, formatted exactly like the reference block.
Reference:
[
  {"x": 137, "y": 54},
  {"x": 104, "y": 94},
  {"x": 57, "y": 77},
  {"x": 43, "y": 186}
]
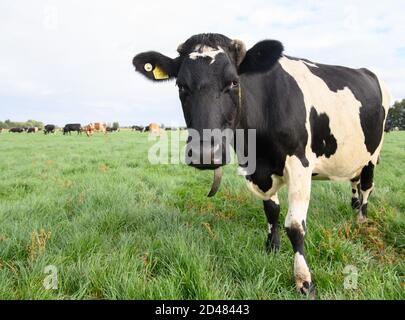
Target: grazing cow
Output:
[
  {"x": 100, "y": 127},
  {"x": 49, "y": 128},
  {"x": 138, "y": 128},
  {"x": 154, "y": 129},
  {"x": 89, "y": 129},
  {"x": 67, "y": 129},
  {"x": 312, "y": 121},
  {"x": 32, "y": 130},
  {"x": 16, "y": 130},
  {"x": 112, "y": 129}
]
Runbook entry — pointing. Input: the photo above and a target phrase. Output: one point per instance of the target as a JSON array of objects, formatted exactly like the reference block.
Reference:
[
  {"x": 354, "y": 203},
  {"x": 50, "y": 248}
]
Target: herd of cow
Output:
[
  {"x": 91, "y": 128},
  {"x": 27, "y": 129}
]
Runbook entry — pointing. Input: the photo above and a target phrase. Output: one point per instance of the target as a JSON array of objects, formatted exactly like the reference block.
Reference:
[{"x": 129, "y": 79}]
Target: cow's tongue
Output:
[{"x": 216, "y": 182}]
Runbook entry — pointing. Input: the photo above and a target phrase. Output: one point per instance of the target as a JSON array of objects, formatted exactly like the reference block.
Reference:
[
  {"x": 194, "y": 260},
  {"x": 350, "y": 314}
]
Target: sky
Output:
[{"x": 70, "y": 61}]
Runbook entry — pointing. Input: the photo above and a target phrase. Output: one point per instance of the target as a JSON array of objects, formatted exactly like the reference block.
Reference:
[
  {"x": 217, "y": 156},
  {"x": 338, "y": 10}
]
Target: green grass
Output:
[{"x": 117, "y": 227}]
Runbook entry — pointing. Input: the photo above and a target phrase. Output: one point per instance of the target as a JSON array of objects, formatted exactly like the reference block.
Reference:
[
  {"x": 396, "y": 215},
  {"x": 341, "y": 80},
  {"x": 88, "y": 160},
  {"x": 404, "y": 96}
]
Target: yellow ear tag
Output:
[{"x": 159, "y": 74}]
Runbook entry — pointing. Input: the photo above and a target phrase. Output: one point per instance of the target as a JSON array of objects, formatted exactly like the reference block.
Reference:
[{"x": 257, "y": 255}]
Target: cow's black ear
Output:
[
  {"x": 156, "y": 66},
  {"x": 261, "y": 57}
]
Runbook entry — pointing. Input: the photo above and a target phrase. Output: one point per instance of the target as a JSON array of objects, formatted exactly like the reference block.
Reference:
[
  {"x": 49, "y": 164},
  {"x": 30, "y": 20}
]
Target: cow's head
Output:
[{"x": 208, "y": 72}]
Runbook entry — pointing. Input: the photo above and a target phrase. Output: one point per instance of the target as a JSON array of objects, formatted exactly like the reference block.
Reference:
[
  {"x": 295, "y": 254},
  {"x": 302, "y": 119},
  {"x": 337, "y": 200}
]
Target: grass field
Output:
[{"x": 117, "y": 227}]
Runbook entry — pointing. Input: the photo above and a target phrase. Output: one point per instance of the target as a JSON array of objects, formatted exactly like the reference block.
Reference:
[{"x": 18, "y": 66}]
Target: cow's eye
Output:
[
  {"x": 234, "y": 83},
  {"x": 231, "y": 85}
]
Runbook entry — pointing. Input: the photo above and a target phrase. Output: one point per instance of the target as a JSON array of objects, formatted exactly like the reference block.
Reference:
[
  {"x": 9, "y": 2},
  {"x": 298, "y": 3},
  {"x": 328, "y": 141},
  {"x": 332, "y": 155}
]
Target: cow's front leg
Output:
[
  {"x": 272, "y": 211},
  {"x": 299, "y": 189}
]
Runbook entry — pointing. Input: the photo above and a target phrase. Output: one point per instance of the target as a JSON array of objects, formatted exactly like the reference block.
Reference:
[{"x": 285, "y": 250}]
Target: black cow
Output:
[
  {"x": 32, "y": 130},
  {"x": 112, "y": 129},
  {"x": 16, "y": 130},
  {"x": 49, "y": 128},
  {"x": 67, "y": 129},
  {"x": 138, "y": 128},
  {"x": 312, "y": 121}
]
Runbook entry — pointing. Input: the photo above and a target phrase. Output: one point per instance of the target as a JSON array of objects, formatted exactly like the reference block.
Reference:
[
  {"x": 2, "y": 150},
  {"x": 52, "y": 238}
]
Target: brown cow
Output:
[
  {"x": 100, "y": 127},
  {"x": 154, "y": 129},
  {"x": 89, "y": 129}
]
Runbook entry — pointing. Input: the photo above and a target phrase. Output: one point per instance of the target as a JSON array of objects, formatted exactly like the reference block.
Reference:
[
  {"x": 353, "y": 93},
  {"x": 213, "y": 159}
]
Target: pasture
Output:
[{"x": 117, "y": 227}]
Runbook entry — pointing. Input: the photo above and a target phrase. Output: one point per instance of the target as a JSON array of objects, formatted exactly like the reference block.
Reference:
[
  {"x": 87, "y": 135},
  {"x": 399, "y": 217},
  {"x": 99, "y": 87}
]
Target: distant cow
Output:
[
  {"x": 89, "y": 129},
  {"x": 100, "y": 127},
  {"x": 138, "y": 128},
  {"x": 32, "y": 130},
  {"x": 170, "y": 128},
  {"x": 49, "y": 128},
  {"x": 112, "y": 129},
  {"x": 154, "y": 129},
  {"x": 67, "y": 129},
  {"x": 1, "y": 130},
  {"x": 16, "y": 130}
]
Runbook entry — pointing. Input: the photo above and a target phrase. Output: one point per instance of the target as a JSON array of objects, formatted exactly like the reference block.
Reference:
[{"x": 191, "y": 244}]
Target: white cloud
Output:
[{"x": 71, "y": 60}]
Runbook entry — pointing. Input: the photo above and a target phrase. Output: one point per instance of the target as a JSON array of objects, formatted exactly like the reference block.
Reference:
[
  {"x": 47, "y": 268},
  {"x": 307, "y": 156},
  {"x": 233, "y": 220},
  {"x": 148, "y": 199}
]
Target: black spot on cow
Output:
[
  {"x": 367, "y": 175},
  {"x": 366, "y": 88},
  {"x": 323, "y": 141}
]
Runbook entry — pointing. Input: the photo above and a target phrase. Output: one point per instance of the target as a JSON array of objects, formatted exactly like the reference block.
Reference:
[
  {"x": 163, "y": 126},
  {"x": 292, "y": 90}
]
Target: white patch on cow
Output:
[
  {"x": 299, "y": 190},
  {"x": 205, "y": 52},
  {"x": 366, "y": 194},
  {"x": 277, "y": 184},
  {"x": 301, "y": 270},
  {"x": 343, "y": 109},
  {"x": 270, "y": 227},
  {"x": 274, "y": 198}
]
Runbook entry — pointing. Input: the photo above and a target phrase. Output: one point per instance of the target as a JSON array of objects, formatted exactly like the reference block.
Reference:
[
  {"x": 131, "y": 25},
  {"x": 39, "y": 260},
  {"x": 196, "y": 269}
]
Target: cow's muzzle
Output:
[{"x": 205, "y": 155}]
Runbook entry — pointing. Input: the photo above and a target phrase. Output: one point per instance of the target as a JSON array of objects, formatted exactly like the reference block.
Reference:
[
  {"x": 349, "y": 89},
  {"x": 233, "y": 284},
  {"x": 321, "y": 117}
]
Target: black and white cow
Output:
[
  {"x": 312, "y": 121},
  {"x": 49, "y": 128},
  {"x": 138, "y": 128}
]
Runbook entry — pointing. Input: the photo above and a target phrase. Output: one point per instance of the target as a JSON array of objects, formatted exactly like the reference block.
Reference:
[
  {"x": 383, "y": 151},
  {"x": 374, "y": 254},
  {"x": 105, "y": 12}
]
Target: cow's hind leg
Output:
[
  {"x": 355, "y": 193},
  {"x": 272, "y": 211},
  {"x": 299, "y": 189},
  {"x": 366, "y": 187}
]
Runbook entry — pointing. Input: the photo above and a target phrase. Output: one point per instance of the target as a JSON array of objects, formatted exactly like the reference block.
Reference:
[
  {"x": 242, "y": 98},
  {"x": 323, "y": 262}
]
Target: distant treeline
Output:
[
  {"x": 27, "y": 124},
  {"x": 396, "y": 116}
]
